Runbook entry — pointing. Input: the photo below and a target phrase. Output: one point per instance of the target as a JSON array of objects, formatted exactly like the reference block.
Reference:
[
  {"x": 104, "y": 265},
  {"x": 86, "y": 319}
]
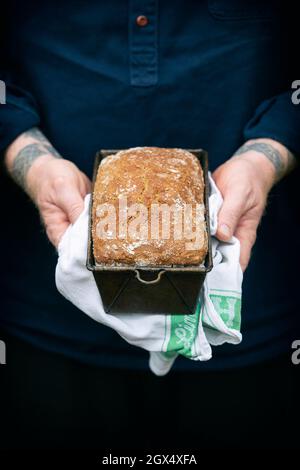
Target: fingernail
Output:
[{"x": 225, "y": 230}]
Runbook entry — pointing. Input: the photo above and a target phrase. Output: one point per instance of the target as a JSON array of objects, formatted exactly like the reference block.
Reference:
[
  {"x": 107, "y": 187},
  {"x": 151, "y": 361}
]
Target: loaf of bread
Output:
[{"x": 136, "y": 195}]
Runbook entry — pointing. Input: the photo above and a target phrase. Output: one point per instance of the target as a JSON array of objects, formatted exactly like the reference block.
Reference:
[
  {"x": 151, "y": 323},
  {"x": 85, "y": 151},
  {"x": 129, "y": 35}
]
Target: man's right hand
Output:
[
  {"x": 58, "y": 189},
  {"x": 56, "y": 185}
]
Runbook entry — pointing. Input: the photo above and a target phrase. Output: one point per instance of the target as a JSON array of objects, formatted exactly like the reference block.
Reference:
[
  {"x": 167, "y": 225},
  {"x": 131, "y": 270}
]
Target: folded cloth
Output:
[{"x": 218, "y": 315}]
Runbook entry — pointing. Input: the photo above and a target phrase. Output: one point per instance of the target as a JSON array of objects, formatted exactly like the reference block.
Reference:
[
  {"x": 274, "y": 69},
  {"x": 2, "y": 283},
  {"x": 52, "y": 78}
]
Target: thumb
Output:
[
  {"x": 229, "y": 215},
  {"x": 70, "y": 200}
]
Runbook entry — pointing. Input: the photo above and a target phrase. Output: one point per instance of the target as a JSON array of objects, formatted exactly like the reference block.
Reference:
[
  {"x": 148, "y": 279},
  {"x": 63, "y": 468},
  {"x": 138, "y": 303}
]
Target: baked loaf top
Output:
[{"x": 153, "y": 179}]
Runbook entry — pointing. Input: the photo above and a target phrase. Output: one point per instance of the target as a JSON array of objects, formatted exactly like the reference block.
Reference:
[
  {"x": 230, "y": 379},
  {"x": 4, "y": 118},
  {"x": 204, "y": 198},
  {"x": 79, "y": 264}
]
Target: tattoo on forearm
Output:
[
  {"x": 36, "y": 134},
  {"x": 272, "y": 154},
  {"x": 28, "y": 154},
  {"x": 291, "y": 161}
]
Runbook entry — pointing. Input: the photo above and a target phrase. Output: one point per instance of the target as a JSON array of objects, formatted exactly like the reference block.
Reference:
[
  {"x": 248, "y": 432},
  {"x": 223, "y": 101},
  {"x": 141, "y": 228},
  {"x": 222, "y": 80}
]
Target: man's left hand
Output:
[{"x": 245, "y": 181}]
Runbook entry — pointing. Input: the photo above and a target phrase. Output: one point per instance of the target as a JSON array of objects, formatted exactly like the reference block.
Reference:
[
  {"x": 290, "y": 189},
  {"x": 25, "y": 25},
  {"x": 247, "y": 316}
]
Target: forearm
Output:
[
  {"x": 25, "y": 154},
  {"x": 276, "y": 160}
]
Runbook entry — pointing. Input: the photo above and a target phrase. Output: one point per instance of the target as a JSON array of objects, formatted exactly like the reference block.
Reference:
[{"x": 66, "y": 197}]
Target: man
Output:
[{"x": 81, "y": 77}]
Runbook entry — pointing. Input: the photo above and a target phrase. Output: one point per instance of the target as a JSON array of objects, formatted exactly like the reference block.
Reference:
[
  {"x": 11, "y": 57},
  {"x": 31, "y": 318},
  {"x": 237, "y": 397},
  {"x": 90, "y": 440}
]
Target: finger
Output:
[
  {"x": 230, "y": 213},
  {"x": 246, "y": 234},
  {"x": 56, "y": 223},
  {"x": 69, "y": 199},
  {"x": 55, "y": 233},
  {"x": 85, "y": 185},
  {"x": 88, "y": 184}
]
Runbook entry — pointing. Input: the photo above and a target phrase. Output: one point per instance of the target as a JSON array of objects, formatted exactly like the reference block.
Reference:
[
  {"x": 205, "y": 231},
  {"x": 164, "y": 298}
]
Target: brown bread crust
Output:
[{"x": 149, "y": 175}]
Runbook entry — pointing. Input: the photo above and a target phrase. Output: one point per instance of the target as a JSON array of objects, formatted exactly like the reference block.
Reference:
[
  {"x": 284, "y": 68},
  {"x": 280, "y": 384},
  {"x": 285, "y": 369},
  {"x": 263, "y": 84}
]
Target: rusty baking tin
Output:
[{"x": 146, "y": 289}]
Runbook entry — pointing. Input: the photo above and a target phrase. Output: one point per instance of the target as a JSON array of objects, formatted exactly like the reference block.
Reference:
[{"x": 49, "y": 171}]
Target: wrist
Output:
[
  {"x": 26, "y": 157},
  {"x": 273, "y": 159},
  {"x": 264, "y": 170},
  {"x": 36, "y": 173}
]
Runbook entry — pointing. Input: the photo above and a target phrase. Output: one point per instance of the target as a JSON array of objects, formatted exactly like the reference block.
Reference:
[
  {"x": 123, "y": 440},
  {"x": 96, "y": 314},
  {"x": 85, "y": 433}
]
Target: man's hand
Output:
[
  {"x": 245, "y": 181},
  {"x": 58, "y": 189},
  {"x": 56, "y": 185}
]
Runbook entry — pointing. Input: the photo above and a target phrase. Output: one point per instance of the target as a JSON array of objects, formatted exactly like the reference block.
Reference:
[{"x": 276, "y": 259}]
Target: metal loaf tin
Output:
[{"x": 155, "y": 290}]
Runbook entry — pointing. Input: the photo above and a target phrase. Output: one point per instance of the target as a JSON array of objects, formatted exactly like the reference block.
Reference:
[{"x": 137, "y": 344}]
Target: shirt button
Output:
[{"x": 142, "y": 20}]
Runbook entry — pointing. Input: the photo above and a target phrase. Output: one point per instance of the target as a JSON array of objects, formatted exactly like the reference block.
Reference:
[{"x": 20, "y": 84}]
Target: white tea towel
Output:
[{"x": 217, "y": 318}]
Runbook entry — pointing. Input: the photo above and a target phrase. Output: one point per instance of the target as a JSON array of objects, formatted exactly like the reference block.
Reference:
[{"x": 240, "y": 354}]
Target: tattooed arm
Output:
[
  {"x": 281, "y": 159},
  {"x": 55, "y": 185},
  {"x": 245, "y": 181},
  {"x": 24, "y": 152}
]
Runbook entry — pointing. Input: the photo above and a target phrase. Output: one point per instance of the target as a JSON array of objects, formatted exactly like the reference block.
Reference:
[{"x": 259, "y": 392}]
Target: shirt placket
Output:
[{"x": 143, "y": 18}]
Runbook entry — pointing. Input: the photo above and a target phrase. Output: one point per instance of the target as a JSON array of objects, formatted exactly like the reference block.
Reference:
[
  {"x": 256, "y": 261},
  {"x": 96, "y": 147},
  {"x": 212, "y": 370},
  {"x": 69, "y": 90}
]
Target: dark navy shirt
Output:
[{"x": 211, "y": 74}]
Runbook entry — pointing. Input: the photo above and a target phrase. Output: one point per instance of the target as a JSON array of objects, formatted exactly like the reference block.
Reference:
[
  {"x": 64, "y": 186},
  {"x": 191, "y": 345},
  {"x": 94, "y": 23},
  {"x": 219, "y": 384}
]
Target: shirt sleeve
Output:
[
  {"x": 17, "y": 115},
  {"x": 277, "y": 118},
  {"x": 19, "y": 112}
]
